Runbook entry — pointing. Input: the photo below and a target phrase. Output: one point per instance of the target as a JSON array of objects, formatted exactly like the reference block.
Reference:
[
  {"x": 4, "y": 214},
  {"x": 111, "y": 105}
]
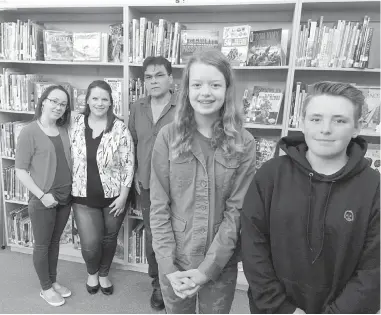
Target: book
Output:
[
  {"x": 79, "y": 100},
  {"x": 265, "y": 106},
  {"x": 193, "y": 41},
  {"x": 373, "y": 156},
  {"x": 116, "y": 85},
  {"x": 87, "y": 46},
  {"x": 370, "y": 117},
  {"x": 58, "y": 45},
  {"x": 115, "y": 44},
  {"x": 264, "y": 149},
  {"x": 236, "y": 44},
  {"x": 265, "y": 48}
]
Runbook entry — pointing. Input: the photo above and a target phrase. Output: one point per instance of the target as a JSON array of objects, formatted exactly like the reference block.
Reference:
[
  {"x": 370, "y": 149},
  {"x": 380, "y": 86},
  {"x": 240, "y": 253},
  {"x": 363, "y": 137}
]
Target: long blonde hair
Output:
[{"x": 227, "y": 129}]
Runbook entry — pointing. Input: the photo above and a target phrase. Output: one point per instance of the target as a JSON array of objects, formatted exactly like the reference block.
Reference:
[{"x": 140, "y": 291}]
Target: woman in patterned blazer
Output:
[{"x": 103, "y": 165}]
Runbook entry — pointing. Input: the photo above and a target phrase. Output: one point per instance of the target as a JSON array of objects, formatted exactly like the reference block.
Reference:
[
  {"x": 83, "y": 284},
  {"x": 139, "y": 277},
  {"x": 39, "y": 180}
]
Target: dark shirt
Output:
[
  {"x": 208, "y": 153},
  {"x": 144, "y": 132},
  {"x": 94, "y": 191},
  {"x": 61, "y": 187}
]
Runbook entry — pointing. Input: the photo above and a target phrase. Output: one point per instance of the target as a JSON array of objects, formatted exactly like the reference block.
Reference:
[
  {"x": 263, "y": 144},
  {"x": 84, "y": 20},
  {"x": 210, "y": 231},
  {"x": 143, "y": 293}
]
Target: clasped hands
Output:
[{"x": 186, "y": 284}]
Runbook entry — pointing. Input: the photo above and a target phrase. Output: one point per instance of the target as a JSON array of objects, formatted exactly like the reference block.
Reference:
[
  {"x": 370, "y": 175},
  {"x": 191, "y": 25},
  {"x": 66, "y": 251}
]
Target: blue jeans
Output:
[
  {"x": 98, "y": 232},
  {"x": 47, "y": 225}
]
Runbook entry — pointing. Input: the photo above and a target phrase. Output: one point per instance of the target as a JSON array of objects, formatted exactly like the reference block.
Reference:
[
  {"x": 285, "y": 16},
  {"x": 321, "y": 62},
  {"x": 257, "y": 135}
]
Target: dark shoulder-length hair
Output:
[
  {"x": 111, "y": 117},
  {"x": 227, "y": 129},
  {"x": 65, "y": 119}
]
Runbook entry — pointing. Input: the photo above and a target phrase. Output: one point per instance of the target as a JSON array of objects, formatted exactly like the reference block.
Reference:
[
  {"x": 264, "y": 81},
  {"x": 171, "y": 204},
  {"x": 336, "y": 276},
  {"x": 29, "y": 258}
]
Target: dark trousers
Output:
[
  {"x": 47, "y": 225},
  {"x": 98, "y": 232},
  {"x": 152, "y": 263}
]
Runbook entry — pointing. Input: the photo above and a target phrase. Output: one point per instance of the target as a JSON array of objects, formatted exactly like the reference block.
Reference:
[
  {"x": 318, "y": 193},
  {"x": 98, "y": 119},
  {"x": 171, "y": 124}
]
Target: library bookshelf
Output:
[{"x": 201, "y": 15}]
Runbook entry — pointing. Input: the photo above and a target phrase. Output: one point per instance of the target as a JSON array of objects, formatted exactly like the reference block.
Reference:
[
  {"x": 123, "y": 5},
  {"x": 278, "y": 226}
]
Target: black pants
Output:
[
  {"x": 152, "y": 263},
  {"x": 47, "y": 225},
  {"x": 98, "y": 232}
]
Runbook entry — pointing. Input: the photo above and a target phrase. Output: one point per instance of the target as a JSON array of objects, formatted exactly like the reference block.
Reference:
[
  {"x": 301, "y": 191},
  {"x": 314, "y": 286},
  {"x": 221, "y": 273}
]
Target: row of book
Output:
[
  {"x": 137, "y": 245},
  {"x": 19, "y": 227},
  {"x": 345, "y": 45},
  {"x": 21, "y": 92},
  {"x": 13, "y": 189},
  {"x": 241, "y": 45},
  {"x": 370, "y": 114},
  {"x": 20, "y": 231},
  {"x": 29, "y": 40},
  {"x": 9, "y": 133},
  {"x": 262, "y": 105}
]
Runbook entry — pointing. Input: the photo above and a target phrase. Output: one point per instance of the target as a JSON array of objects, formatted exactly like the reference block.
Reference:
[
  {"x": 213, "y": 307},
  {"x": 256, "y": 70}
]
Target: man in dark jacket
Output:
[{"x": 311, "y": 218}]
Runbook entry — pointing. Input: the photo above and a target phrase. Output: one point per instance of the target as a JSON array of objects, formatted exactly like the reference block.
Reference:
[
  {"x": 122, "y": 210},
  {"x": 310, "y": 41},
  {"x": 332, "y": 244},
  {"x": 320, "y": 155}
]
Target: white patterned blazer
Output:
[{"x": 115, "y": 158}]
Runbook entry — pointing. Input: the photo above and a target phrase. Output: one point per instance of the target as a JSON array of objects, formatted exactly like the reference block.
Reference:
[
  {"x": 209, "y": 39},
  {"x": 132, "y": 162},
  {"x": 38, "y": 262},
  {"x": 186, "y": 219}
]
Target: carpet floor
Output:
[{"x": 19, "y": 290}]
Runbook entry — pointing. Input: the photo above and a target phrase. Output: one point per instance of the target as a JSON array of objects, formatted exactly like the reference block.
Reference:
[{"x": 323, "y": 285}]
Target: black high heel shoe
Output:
[
  {"x": 92, "y": 290},
  {"x": 108, "y": 290}
]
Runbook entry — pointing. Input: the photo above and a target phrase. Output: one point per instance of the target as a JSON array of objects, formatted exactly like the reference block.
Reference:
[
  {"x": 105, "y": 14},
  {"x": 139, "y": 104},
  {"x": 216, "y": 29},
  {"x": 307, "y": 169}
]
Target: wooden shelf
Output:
[
  {"x": 337, "y": 69},
  {"x": 182, "y": 66},
  {"x": 259, "y": 126},
  {"x": 8, "y": 158},
  {"x": 294, "y": 129},
  {"x": 16, "y": 112},
  {"x": 65, "y": 63},
  {"x": 369, "y": 133},
  {"x": 16, "y": 202}
]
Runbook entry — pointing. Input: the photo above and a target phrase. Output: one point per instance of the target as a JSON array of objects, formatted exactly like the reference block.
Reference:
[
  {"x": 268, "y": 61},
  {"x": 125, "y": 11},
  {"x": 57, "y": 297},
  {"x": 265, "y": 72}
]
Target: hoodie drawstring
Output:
[
  {"x": 324, "y": 216},
  {"x": 309, "y": 212}
]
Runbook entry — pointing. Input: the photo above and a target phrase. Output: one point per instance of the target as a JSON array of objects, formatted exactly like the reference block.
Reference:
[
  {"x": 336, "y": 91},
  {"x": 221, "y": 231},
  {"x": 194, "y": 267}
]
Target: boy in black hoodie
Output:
[{"x": 311, "y": 219}]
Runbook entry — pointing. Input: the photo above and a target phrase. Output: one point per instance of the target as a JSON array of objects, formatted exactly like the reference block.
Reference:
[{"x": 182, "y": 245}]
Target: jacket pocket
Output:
[
  {"x": 181, "y": 173},
  {"x": 225, "y": 170},
  {"x": 178, "y": 227}
]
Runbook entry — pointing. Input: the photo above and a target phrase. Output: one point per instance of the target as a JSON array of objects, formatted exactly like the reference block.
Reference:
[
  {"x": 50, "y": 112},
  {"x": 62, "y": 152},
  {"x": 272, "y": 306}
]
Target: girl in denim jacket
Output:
[{"x": 202, "y": 165}]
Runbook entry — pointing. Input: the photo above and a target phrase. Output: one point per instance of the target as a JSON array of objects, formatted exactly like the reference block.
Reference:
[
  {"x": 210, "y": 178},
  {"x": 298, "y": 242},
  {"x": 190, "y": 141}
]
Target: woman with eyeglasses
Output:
[
  {"x": 103, "y": 168},
  {"x": 43, "y": 165}
]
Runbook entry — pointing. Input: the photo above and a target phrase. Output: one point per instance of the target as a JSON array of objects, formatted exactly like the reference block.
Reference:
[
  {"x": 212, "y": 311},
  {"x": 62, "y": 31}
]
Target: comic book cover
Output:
[
  {"x": 193, "y": 41},
  {"x": 370, "y": 118},
  {"x": 265, "y": 48},
  {"x": 265, "y": 149},
  {"x": 79, "y": 102},
  {"x": 236, "y": 43},
  {"x": 115, "y": 46},
  {"x": 58, "y": 45},
  {"x": 87, "y": 46},
  {"x": 373, "y": 156},
  {"x": 264, "y": 106}
]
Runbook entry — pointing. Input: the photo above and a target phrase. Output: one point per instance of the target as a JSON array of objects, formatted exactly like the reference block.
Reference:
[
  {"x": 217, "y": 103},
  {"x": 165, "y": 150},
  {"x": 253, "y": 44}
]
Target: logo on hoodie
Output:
[{"x": 349, "y": 215}]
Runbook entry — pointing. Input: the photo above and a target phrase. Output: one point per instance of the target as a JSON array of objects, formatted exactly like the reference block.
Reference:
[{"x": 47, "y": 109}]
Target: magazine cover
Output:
[
  {"x": 87, "y": 46},
  {"x": 197, "y": 40},
  {"x": 58, "y": 45},
  {"x": 235, "y": 44},
  {"x": 265, "y": 48}
]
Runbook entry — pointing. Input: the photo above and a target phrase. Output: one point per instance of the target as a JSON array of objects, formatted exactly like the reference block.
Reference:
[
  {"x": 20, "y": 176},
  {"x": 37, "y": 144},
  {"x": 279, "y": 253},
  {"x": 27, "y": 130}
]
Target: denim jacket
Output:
[
  {"x": 115, "y": 158},
  {"x": 187, "y": 231}
]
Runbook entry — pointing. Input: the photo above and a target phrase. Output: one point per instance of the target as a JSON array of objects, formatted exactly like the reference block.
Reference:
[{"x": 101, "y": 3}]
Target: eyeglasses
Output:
[{"x": 56, "y": 103}]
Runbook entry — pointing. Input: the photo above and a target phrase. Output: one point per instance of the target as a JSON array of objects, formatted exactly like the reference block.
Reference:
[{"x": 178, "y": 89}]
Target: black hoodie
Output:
[{"x": 313, "y": 241}]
